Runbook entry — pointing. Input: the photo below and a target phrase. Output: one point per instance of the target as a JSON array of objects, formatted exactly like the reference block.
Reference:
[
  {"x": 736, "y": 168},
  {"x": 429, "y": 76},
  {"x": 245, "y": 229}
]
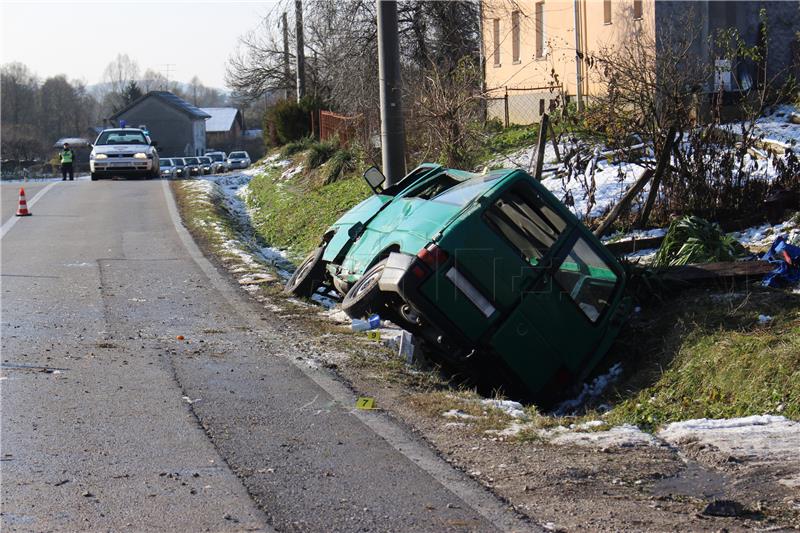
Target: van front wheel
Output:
[
  {"x": 365, "y": 297},
  {"x": 308, "y": 276}
]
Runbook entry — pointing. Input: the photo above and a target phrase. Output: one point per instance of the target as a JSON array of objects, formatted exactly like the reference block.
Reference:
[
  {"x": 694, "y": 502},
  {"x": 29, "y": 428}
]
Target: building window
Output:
[
  {"x": 607, "y": 11},
  {"x": 540, "y": 30},
  {"x": 496, "y": 24},
  {"x": 637, "y": 9},
  {"x": 515, "y": 36}
]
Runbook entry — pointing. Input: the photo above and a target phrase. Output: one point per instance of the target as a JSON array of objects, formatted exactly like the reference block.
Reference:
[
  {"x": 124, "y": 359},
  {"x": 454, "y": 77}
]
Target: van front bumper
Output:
[{"x": 121, "y": 164}]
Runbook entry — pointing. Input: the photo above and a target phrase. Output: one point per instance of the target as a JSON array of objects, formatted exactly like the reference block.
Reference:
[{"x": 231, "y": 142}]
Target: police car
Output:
[{"x": 124, "y": 152}]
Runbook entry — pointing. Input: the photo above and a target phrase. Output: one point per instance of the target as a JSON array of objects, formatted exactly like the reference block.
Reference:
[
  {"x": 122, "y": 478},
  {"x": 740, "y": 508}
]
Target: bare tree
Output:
[
  {"x": 154, "y": 81},
  {"x": 117, "y": 76}
]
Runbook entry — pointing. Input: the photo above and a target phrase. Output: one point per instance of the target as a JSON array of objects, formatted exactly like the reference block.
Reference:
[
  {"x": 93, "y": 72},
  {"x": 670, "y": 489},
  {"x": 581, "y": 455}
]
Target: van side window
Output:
[
  {"x": 587, "y": 279},
  {"x": 526, "y": 221}
]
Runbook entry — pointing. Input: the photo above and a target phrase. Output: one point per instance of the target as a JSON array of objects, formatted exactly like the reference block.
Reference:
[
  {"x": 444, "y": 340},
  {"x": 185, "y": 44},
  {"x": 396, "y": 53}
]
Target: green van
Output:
[{"x": 489, "y": 270}]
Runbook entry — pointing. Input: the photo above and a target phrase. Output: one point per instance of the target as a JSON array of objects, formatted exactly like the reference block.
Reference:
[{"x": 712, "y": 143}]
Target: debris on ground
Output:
[
  {"x": 786, "y": 259},
  {"x": 724, "y": 508},
  {"x": 693, "y": 240}
]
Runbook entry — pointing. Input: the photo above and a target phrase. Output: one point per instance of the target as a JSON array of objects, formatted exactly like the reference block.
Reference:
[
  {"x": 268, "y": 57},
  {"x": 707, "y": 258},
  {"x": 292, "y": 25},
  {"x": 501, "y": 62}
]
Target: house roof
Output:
[
  {"x": 222, "y": 118},
  {"x": 72, "y": 141},
  {"x": 170, "y": 99}
]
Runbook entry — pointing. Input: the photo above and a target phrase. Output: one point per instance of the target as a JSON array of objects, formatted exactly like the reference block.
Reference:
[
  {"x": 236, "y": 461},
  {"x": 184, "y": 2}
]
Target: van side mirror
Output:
[
  {"x": 154, "y": 144},
  {"x": 375, "y": 179}
]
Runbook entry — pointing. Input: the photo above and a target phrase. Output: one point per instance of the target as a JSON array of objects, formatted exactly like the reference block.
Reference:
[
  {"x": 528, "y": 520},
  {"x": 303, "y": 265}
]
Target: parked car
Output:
[
  {"x": 180, "y": 167},
  {"x": 167, "y": 168},
  {"x": 238, "y": 160},
  {"x": 192, "y": 166},
  {"x": 206, "y": 165},
  {"x": 220, "y": 160},
  {"x": 123, "y": 152},
  {"x": 487, "y": 270}
]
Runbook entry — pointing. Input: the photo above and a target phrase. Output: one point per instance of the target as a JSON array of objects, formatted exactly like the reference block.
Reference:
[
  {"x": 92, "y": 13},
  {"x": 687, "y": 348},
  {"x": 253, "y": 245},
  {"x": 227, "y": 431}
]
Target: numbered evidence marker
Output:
[
  {"x": 365, "y": 403},
  {"x": 374, "y": 335}
]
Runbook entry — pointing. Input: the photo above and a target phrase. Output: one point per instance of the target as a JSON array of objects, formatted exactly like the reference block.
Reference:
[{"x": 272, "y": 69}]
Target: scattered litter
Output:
[
  {"x": 179, "y": 337},
  {"x": 407, "y": 348},
  {"x": 190, "y": 401},
  {"x": 764, "y": 319},
  {"x": 786, "y": 258},
  {"x": 372, "y": 322}
]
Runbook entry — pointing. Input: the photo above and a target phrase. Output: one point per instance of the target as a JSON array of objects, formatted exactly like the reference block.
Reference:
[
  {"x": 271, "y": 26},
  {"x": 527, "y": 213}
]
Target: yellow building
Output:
[{"x": 530, "y": 47}]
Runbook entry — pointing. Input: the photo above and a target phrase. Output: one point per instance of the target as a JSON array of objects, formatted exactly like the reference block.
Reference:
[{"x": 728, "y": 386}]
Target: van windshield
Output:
[
  {"x": 465, "y": 192},
  {"x": 526, "y": 221}
]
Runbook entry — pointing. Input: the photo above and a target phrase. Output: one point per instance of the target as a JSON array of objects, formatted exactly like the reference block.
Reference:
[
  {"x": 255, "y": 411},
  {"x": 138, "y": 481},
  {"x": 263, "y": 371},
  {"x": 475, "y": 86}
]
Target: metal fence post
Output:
[{"x": 505, "y": 102}]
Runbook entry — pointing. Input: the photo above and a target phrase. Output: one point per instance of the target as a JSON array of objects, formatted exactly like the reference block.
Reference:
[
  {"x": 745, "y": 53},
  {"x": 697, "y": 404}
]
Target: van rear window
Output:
[{"x": 526, "y": 221}]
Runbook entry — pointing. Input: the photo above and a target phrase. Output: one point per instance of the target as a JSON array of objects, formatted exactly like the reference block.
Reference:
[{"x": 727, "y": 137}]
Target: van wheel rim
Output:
[{"x": 368, "y": 283}]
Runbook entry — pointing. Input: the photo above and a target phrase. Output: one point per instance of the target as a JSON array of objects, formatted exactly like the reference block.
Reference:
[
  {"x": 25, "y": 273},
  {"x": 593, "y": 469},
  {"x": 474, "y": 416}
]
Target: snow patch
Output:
[
  {"x": 458, "y": 413},
  {"x": 624, "y": 436},
  {"x": 758, "y": 436},
  {"x": 511, "y": 408},
  {"x": 590, "y": 391}
]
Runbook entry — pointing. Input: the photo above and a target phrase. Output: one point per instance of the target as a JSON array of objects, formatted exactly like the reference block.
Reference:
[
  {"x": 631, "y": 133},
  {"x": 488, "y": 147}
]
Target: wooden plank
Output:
[
  {"x": 723, "y": 270},
  {"x": 632, "y": 245}
]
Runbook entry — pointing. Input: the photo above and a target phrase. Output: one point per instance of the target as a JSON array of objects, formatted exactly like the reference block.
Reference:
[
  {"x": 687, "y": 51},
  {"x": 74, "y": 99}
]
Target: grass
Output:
[
  {"x": 706, "y": 355},
  {"x": 507, "y": 140},
  {"x": 295, "y": 214}
]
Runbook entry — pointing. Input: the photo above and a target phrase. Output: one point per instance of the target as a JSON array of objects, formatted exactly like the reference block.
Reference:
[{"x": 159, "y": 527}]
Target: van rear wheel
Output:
[{"x": 365, "y": 297}]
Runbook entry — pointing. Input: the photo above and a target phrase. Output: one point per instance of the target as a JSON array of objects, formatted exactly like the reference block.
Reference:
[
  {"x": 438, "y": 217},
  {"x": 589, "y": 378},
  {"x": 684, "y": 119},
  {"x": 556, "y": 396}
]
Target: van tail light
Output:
[{"x": 433, "y": 256}]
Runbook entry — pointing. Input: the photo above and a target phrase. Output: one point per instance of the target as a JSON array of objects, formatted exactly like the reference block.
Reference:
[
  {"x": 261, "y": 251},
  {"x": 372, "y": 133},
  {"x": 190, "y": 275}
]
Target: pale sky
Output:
[{"x": 79, "y": 39}]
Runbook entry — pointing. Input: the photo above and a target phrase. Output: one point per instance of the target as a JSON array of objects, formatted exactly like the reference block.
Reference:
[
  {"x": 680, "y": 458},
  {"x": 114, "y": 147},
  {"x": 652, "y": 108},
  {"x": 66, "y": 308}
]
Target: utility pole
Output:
[
  {"x": 301, "y": 59},
  {"x": 481, "y": 60},
  {"x": 286, "y": 72},
  {"x": 392, "y": 134},
  {"x": 167, "y": 67},
  {"x": 578, "y": 56}
]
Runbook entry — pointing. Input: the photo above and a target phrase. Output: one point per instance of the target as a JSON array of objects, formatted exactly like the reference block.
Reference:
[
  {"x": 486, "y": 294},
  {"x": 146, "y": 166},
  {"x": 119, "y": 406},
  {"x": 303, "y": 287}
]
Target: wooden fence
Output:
[{"x": 334, "y": 125}]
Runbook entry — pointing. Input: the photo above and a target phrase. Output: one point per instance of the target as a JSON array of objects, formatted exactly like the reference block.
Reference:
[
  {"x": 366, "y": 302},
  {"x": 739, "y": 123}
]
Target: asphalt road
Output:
[
  {"x": 9, "y": 195},
  {"x": 110, "y": 422}
]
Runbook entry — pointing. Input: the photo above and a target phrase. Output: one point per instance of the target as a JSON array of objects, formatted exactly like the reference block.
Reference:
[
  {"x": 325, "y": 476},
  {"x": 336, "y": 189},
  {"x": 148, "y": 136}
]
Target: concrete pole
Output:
[
  {"x": 578, "y": 56},
  {"x": 392, "y": 134},
  {"x": 301, "y": 58},
  {"x": 287, "y": 73}
]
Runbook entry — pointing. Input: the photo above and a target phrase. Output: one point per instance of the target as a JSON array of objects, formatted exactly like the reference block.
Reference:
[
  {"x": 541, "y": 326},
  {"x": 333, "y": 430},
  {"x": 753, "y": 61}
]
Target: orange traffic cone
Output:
[{"x": 22, "y": 211}]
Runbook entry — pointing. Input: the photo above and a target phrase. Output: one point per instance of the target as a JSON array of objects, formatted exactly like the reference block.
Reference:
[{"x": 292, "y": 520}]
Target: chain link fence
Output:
[{"x": 521, "y": 105}]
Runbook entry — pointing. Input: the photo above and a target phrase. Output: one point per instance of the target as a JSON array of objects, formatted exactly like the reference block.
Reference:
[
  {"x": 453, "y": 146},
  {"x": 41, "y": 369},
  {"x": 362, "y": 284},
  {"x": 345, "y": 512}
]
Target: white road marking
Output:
[{"x": 8, "y": 224}]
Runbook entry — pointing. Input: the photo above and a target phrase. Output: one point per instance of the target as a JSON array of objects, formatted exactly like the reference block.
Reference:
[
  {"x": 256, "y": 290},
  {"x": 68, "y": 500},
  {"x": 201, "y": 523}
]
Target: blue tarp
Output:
[{"x": 786, "y": 258}]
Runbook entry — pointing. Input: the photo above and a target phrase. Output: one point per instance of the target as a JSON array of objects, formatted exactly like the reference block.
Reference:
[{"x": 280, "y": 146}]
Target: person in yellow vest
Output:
[{"x": 67, "y": 158}]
